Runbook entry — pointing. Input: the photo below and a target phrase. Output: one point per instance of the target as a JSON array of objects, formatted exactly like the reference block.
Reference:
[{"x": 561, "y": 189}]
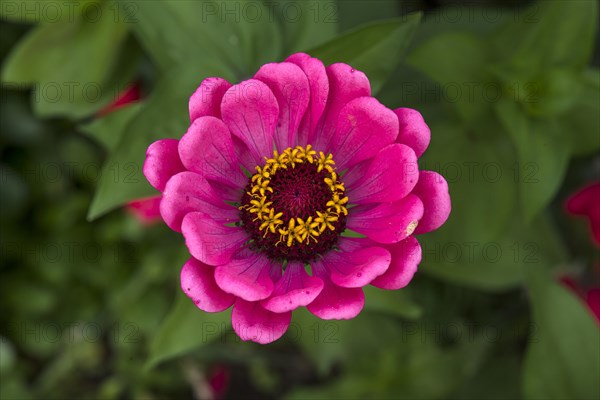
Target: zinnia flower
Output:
[
  {"x": 272, "y": 175},
  {"x": 586, "y": 202}
]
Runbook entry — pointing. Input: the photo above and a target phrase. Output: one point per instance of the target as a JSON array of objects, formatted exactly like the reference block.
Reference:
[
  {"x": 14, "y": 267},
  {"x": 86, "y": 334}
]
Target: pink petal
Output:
[
  {"x": 387, "y": 222},
  {"x": 406, "y": 256},
  {"x": 364, "y": 127},
  {"x": 335, "y": 302},
  {"x": 319, "y": 89},
  {"x": 206, "y": 100},
  {"x": 252, "y": 322},
  {"x": 414, "y": 132},
  {"x": 295, "y": 289},
  {"x": 188, "y": 192},
  {"x": 210, "y": 241},
  {"x": 355, "y": 174},
  {"x": 162, "y": 162},
  {"x": 345, "y": 85},
  {"x": 391, "y": 175},
  {"x": 207, "y": 149},
  {"x": 290, "y": 87},
  {"x": 243, "y": 155},
  {"x": 353, "y": 269},
  {"x": 198, "y": 283},
  {"x": 432, "y": 189},
  {"x": 247, "y": 277},
  {"x": 250, "y": 111}
]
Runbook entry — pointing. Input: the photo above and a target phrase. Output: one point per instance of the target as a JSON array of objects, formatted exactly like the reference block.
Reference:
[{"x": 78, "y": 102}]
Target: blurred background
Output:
[{"x": 506, "y": 301}]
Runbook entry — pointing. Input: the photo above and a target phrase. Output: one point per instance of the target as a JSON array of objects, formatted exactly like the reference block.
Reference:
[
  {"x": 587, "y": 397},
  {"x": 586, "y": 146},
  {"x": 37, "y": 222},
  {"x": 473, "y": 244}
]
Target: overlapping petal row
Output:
[{"x": 243, "y": 135}]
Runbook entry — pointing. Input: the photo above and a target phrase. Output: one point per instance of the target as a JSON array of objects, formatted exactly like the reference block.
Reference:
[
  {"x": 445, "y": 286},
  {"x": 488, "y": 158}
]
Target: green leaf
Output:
[
  {"x": 320, "y": 340},
  {"x": 498, "y": 378},
  {"x": 493, "y": 265},
  {"x": 483, "y": 244},
  {"x": 555, "y": 93},
  {"x": 375, "y": 49},
  {"x": 8, "y": 355},
  {"x": 109, "y": 129},
  {"x": 13, "y": 193},
  {"x": 457, "y": 61},
  {"x": 184, "y": 329},
  {"x": 237, "y": 36},
  {"x": 424, "y": 369},
  {"x": 164, "y": 115},
  {"x": 92, "y": 97},
  {"x": 409, "y": 365},
  {"x": 71, "y": 64},
  {"x": 479, "y": 175},
  {"x": 260, "y": 40},
  {"x": 459, "y": 18},
  {"x": 355, "y": 13},
  {"x": 305, "y": 24},
  {"x": 392, "y": 302},
  {"x": 562, "y": 359},
  {"x": 329, "y": 342},
  {"x": 581, "y": 123},
  {"x": 548, "y": 34},
  {"x": 543, "y": 150},
  {"x": 176, "y": 33}
]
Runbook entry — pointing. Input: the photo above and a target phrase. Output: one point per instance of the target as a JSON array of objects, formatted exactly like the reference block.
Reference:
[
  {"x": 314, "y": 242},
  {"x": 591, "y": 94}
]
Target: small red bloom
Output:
[
  {"x": 593, "y": 301},
  {"x": 219, "y": 381},
  {"x": 586, "y": 202},
  {"x": 130, "y": 95},
  {"x": 147, "y": 210},
  {"x": 591, "y": 296}
]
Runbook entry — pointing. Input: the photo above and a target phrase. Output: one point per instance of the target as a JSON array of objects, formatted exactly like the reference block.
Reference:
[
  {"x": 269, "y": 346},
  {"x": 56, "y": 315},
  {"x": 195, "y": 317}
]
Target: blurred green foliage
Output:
[{"x": 90, "y": 300}]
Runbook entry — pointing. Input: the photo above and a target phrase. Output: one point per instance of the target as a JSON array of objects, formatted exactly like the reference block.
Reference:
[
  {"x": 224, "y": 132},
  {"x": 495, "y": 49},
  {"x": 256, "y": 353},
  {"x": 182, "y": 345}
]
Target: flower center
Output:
[{"x": 294, "y": 206}]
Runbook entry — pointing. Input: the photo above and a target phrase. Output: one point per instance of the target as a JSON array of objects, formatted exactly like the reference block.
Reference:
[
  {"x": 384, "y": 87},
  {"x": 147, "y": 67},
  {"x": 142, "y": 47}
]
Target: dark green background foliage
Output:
[{"x": 90, "y": 301}]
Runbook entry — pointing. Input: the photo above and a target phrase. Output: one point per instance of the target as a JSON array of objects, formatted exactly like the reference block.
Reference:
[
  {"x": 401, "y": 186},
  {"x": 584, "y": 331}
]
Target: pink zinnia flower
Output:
[
  {"x": 270, "y": 174},
  {"x": 586, "y": 202}
]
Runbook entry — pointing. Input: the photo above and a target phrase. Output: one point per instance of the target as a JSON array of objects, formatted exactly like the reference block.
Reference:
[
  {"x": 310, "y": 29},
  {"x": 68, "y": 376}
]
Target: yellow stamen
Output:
[
  {"x": 338, "y": 204},
  {"x": 296, "y": 229},
  {"x": 325, "y": 220},
  {"x": 325, "y": 162},
  {"x": 307, "y": 228},
  {"x": 271, "y": 222}
]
